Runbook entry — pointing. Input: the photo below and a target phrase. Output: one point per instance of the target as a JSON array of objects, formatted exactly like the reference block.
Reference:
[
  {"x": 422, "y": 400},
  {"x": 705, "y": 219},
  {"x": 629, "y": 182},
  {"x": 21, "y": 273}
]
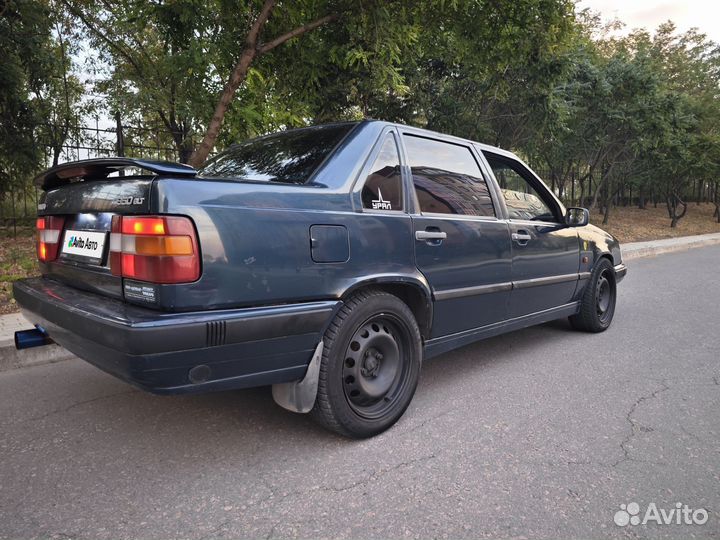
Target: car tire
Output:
[
  {"x": 597, "y": 306},
  {"x": 372, "y": 353}
]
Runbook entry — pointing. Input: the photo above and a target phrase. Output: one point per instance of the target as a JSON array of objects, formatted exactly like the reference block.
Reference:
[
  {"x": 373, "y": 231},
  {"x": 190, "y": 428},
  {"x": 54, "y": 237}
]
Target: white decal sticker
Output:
[{"x": 380, "y": 203}]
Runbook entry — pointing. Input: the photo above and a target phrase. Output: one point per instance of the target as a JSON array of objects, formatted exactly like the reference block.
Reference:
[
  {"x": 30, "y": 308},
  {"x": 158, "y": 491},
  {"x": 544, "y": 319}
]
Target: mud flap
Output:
[{"x": 299, "y": 396}]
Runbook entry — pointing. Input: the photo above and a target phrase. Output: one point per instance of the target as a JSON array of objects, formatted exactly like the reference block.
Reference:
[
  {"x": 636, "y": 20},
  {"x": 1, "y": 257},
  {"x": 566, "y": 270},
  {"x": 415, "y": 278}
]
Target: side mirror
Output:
[{"x": 577, "y": 217}]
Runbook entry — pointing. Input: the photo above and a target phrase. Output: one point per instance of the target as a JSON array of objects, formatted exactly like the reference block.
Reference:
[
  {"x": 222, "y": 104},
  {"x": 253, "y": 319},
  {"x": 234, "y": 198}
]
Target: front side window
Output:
[
  {"x": 522, "y": 200},
  {"x": 290, "y": 157},
  {"x": 447, "y": 178},
  {"x": 383, "y": 186}
]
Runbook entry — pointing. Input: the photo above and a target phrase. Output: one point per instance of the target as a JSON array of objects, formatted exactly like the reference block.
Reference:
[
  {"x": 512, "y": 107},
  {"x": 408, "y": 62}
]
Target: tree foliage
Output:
[
  {"x": 40, "y": 94},
  {"x": 608, "y": 116}
]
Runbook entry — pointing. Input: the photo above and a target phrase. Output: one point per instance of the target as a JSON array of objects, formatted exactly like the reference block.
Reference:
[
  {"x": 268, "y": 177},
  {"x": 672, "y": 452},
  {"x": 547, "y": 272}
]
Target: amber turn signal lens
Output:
[{"x": 163, "y": 245}]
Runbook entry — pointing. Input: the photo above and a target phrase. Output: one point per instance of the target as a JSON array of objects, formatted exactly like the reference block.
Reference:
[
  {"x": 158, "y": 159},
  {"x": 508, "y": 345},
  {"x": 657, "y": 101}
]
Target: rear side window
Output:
[
  {"x": 383, "y": 186},
  {"x": 447, "y": 178},
  {"x": 290, "y": 157}
]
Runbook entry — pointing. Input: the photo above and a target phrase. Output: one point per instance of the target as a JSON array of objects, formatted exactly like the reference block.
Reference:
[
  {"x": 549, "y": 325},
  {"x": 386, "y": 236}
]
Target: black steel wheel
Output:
[
  {"x": 374, "y": 370},
  {"x": 597, "y": 306},
  {"x": 370, "y": 366}
]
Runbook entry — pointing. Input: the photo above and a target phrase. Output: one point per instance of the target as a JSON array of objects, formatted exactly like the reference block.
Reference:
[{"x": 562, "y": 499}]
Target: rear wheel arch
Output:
[{"x": 412, "y": 293}]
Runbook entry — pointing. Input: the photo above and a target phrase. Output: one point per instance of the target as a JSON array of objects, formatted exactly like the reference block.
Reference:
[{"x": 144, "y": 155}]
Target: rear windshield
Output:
[{"x": 290, "y": 157}]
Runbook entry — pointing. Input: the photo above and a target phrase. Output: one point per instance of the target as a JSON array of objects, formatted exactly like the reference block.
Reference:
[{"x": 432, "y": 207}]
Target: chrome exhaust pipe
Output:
[{"x": 25, "y": 339}]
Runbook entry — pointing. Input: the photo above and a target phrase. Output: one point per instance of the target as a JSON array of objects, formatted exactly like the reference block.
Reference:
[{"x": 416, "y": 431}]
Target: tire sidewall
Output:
[
  {"x": 604, "y": 265},
  {"x": 334, "y": 355}
]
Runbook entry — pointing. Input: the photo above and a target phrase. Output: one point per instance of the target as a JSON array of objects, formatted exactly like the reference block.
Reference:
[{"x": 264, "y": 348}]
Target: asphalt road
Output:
[{"x": 541, "y": 433}]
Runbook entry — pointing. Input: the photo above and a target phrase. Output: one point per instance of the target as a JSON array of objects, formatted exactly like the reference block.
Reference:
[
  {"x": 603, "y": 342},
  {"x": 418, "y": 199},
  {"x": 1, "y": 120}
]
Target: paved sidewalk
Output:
[
  {"x": 9, "y": 324},
  {"x": 11, "y": 358}
]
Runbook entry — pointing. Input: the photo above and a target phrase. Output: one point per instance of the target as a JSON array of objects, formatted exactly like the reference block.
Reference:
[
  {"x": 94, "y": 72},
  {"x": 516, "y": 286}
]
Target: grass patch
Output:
[
  {"x": 630, "y": 224},
  {"x": 17, "y": 260}
]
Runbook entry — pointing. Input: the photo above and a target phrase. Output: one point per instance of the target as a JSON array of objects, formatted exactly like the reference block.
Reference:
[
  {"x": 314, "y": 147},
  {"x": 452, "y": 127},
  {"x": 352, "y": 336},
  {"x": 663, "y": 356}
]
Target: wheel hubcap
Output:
[{"x": 373, "y": 369}]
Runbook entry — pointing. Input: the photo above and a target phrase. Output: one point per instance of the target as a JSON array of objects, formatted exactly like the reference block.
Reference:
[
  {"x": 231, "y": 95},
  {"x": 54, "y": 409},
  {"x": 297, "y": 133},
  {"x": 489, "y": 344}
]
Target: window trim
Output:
[
  {"x": 547, "y": 197},
  {"x": 481, "y": 168}
]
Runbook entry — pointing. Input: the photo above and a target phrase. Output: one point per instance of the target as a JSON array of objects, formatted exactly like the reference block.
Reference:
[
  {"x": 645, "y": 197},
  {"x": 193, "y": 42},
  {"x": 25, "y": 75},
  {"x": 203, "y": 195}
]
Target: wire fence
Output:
[{"x": 18, "y": 207}]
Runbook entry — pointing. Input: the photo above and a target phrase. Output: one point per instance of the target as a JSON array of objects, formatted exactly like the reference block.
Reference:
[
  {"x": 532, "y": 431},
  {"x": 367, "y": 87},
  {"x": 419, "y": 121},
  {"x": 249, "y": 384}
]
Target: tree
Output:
[
  {"x": 24, "y": 40},
  {"x": 57, "y": 96},
  {"x": 253, "y": 49},
  {"x": 180, "y": 63}
]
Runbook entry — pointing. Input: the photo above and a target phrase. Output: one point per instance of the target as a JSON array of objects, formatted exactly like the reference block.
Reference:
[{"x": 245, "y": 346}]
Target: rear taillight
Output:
[
  {"x": 159, "y": 249},
  {"x": 48, "y": 237}
]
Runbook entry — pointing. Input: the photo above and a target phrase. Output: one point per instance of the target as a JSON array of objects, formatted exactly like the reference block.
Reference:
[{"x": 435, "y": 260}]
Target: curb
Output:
[
  {"x": 11, "y": 358},
  {"x": 637, "y": 250}
]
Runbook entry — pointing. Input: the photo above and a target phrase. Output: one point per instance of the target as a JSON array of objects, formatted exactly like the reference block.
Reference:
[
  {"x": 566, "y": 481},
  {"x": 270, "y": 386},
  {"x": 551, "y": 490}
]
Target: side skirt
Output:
[{"x": 443, "y": 344}]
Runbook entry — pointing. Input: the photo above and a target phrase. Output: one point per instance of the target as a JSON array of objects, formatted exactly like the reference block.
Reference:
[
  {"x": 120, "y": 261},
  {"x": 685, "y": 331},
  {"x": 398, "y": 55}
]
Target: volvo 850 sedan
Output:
[{"x": 327, "y": 261}]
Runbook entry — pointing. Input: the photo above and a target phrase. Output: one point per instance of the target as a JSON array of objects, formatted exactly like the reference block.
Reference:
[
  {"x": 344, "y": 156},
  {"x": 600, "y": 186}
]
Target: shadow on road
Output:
[{"x": 100, "y": 400}]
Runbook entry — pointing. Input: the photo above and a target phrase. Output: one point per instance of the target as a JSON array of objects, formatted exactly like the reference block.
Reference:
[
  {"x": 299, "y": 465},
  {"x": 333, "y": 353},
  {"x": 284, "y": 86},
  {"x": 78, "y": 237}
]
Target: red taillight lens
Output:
[
  {"x": 144, "y": 225},
  {"x": 48, "y": 237},
  {"x": 159, "y": 249}
]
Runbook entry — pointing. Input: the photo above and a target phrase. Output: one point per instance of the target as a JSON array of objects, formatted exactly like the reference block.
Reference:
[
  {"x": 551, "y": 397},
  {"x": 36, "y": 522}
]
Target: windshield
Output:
[{"x": 290, "y": 157}]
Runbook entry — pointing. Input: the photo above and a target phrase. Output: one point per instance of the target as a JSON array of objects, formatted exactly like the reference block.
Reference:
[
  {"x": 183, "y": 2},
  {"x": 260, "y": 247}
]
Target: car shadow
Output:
[{"x": 243, "y": 416}]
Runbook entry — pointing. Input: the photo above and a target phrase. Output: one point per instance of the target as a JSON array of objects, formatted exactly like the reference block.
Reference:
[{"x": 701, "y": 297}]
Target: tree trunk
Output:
[
  {"x": 673, "y": 201},
  {"x": 641, "y": 199},
  {"x": 606, "y": 215},
  {"x": 596, "y": 194},
  {"x": 253, "y": 49},
  {"x": 238, "y": 76},
  {"x": 607, "y": 202}
]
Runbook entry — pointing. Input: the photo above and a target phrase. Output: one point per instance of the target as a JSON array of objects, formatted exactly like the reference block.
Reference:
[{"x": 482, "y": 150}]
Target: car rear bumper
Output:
[{"x": 178, "y": 352}]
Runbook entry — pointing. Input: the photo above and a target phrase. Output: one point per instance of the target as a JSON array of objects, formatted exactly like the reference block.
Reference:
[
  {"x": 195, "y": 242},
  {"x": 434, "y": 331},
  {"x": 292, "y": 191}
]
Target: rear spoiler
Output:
[{"x": 98, "y": 169}]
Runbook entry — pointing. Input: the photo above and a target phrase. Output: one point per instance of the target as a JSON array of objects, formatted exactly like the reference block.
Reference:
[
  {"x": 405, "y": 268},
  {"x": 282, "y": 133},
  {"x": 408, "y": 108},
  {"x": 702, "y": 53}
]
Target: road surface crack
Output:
[
  {"x": 78, "y": 404},
  {"x": 376, "y": 475},
  {"x": 635, "y": 426}
]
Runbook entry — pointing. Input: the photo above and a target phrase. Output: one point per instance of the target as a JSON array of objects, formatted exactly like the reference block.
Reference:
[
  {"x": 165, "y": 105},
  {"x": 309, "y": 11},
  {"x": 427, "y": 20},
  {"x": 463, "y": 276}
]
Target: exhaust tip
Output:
[{"x": 36, "y": 337}]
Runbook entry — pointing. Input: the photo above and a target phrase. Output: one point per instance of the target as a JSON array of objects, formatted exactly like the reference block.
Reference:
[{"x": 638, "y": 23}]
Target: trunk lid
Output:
[{"x": 87, "y": 198}]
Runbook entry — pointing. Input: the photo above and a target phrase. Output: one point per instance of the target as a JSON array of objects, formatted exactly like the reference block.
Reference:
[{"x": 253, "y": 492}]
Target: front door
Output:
[
  {"x": 545, "y": 252},
  {"x": 461, "y": 246}
]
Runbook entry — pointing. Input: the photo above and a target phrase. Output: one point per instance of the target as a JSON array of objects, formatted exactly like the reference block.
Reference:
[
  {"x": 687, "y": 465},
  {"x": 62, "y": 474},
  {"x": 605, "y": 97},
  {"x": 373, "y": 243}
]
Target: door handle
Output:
[
  {"x": 430, "y": 235},
  {"x": 521, "y": 237}
]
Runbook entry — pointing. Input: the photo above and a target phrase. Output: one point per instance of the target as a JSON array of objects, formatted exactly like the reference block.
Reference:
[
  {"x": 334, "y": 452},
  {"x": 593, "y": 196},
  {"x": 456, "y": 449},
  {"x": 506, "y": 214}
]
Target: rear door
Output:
[
  {"x": 545, "y": 252},
  {"x": 461, "y": 246}
]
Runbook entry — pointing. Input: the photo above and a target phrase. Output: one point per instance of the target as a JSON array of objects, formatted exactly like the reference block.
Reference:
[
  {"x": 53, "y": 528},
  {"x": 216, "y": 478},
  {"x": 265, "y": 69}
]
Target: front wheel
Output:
[
  {"x": 370, "y": 365},
  {"x": 597, "y": 306}
]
